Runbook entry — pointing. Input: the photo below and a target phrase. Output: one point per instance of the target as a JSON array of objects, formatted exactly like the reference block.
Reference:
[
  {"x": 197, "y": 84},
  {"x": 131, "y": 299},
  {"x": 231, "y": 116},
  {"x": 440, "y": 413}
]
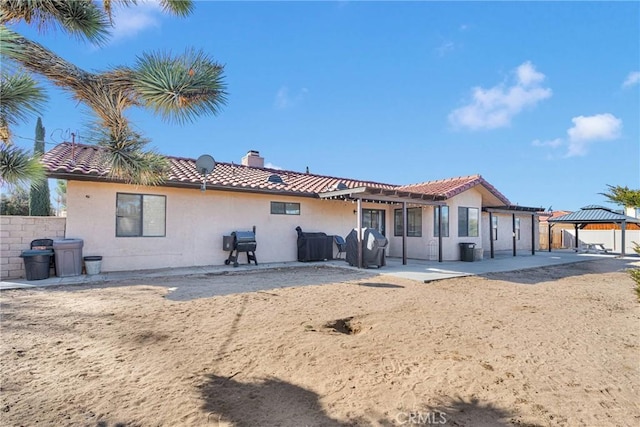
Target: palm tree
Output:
[{"x": 177, "y": 88}]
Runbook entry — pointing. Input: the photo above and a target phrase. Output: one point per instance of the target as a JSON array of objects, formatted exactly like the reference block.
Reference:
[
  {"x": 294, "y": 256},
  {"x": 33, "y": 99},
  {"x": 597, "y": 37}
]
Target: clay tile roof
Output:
[
  {"x": 87, "y": 162},
  {"x": 450, "y": 187}
]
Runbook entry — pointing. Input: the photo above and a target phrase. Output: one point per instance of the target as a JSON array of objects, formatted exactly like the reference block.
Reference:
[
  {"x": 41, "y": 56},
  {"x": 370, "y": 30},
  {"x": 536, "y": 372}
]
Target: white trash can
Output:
[{"x": 93, "y": 264}]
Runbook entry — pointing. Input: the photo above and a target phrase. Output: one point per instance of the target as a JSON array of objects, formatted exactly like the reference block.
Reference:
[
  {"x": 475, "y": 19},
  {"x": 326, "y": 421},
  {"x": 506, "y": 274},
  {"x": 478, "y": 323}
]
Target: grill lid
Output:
[{"x": 244, "y": 236}]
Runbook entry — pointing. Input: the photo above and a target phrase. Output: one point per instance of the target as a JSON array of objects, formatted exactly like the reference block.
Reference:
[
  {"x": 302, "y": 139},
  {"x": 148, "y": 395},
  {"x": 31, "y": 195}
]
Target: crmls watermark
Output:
[{"x": 421, "y": 418}]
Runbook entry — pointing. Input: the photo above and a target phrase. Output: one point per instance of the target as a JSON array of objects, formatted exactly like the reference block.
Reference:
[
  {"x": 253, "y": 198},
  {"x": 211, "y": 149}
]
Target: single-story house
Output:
[{"x": 176, "y": 224}]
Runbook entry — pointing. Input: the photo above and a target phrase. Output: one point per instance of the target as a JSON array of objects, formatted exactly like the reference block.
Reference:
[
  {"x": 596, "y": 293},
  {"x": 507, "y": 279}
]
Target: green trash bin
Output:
[
  {"x": 36, "y": 263},
  {"x": 466, "y": 251}
]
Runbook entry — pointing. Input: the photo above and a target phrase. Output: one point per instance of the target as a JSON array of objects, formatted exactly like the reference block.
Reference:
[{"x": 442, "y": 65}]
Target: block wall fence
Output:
[{"x": 16, "y": 234}]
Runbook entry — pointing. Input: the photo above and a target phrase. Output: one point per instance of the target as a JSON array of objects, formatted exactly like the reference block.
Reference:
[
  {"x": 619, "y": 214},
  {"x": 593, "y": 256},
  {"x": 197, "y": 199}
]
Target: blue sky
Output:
[{"x": 540, "y": 98}]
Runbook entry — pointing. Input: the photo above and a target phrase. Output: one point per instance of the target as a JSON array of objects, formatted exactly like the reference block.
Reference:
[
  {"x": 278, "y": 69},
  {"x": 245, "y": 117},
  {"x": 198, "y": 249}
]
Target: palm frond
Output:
[
  {"x": 8, "y": 47},
  {"x": 18, "y": 167},
  {"x": 179, "y": 89},
  {"x": 21, "y": 98},
  {"x": 177, "y": 7},
  {"x": 126, "y": 159},
  {"x": 136, "y": 166},
  {"x": 81, "y": 18}
]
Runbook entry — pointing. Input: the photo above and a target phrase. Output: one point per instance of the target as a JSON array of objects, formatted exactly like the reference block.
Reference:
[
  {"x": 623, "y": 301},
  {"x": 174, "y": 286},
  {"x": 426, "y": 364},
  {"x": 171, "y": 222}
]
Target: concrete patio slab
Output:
[{"x": 420, "y": 270}]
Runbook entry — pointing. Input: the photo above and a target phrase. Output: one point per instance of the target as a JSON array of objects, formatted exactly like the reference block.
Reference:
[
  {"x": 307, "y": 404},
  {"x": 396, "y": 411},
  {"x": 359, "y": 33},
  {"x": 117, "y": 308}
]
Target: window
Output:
[
  {"x": 282, "y": 208},
  {"x": 414, "y": 228},
  {"x": 445, "y": 221},
  {"x": 468, "y": 222},
  {"x": 374, "y": 218},
  {"x": 517, "y": 228},
  {"x": 140, "y": 215},
  {"x": 494, "y": 227}
]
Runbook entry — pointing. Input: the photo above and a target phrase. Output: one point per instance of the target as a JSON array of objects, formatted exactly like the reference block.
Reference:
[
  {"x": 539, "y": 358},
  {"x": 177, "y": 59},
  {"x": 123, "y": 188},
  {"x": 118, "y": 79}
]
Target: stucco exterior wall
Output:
[
  {"x": 16, "y": 234},
  {"x": 504, "y": 240},
  {"x": 423, "y": 247},
  {"x": 195, "y": 224}
]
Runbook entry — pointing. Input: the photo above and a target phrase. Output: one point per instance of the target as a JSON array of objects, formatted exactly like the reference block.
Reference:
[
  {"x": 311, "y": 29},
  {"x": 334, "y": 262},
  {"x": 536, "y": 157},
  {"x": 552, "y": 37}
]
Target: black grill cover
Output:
[
  {"x": 314, "y": 246},
  {"x": 373, "y": 245}
]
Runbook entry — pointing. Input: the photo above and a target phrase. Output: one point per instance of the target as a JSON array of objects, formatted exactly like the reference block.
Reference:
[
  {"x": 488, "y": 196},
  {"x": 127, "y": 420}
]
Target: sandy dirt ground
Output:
[{"x": 549, "y": 346}]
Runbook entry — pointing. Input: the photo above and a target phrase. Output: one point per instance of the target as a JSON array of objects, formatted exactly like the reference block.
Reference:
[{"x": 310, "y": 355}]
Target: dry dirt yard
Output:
[{"x": 550, "y": 346}]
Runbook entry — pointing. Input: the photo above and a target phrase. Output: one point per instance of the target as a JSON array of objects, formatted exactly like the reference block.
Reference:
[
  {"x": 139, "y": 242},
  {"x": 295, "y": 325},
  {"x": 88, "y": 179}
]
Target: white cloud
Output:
[
  {"x": 587, "y": 129},
  {"x": 527, "y": 74},
  {"x": 129, "y": 21},
  {"x": 285, "y": 100},
  {"x": 632, "y": 79},
  {"x": 495, "y": 107}
]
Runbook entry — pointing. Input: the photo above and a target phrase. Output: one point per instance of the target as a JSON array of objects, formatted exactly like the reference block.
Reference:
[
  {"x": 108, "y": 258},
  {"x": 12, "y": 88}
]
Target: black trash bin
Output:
[
  {"x": 466, "y": 251},
  {"x": 36, "y": 263}
]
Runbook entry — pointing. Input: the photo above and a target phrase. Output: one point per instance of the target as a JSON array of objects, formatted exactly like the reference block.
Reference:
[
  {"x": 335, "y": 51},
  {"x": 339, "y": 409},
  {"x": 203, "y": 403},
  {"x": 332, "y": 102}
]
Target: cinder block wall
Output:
[{"x": 16, "y": 234}]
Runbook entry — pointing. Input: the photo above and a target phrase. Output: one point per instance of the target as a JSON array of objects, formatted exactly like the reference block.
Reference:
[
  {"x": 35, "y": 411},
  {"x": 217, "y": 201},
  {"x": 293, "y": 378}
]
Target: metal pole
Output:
[
  {"x": 491, "y": 234},
  {"x": 359, "y": 233},
  {"x": 549, "y": 225},
  {"x": 513, "y": 224},
  {"x": 439, "y": 233},
  {"x": 533, "y": 235},
  {"x": 576, "y": 243},
  {"x": 405, "y": 221},
  {"x": 623, "y": 228}
]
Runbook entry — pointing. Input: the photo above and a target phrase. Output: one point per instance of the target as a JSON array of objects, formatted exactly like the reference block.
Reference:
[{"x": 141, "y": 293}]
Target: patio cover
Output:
[
  {"x": 512, "y": 210},
  {"x": 385, "y": 195},
  {"x": 594, "y": 214}
]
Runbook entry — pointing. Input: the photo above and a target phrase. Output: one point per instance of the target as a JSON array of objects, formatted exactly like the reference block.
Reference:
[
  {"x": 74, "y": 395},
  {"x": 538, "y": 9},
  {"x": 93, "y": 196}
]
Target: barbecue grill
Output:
[
  {"x": 240, "y": 241},
  {"x": 373, "y": 246},
  {"x": 314, "y": 246}
]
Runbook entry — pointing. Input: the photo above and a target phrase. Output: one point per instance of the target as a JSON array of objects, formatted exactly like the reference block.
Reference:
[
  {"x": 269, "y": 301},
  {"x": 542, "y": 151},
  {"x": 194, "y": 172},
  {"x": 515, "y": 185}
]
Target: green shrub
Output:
[{"x": 635, "y": 272}]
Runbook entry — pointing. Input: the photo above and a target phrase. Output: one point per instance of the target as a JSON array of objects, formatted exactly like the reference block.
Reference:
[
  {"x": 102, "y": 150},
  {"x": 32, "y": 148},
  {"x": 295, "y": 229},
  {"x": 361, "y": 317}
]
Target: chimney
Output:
[{"x": 253, "y": 159}]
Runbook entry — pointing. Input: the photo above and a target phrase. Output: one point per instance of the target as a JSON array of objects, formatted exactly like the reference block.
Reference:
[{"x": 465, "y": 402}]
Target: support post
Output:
[
  {"x": 533, "y": 234},
  {"x": 359, "y": 233},
  {"x": 439, "y": 233},
  {"x": 405, "y": 221},
  {"x": 491, "y": 234},
  {"x": 549, "y": 225},
  {"x": 623, "y": 228},
  {"x": 513, "y": 226},
  {"x": 576, "y": 242}
]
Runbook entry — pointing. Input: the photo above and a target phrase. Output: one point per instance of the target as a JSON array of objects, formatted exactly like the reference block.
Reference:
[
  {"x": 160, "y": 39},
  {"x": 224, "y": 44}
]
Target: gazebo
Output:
[{"x": 594, "y": 214}]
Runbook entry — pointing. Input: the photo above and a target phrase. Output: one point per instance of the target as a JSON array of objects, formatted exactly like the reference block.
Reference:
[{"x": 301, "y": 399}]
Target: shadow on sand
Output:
[
  {"x": 380, "y": 285},
  {"x": 270, "y": 402},
  {"x": 273, "y": 402}
]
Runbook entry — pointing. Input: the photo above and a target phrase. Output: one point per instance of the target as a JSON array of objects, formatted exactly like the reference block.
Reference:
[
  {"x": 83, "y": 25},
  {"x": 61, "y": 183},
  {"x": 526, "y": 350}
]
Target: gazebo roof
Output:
[{"x": 593, "y": 214}]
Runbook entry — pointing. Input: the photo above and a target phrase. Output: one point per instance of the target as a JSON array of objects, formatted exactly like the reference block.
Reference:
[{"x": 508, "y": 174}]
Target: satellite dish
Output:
[{"x": 205, "y": 165}]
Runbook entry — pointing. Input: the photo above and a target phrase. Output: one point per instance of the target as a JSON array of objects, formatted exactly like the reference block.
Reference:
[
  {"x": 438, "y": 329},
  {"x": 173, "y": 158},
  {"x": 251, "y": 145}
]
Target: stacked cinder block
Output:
[{"x": 16, "y": 234}]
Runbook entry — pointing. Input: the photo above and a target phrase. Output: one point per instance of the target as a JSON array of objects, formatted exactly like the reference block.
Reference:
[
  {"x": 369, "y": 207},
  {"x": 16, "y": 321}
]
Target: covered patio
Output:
[
  {"x": 388, "y": 196},
  {"x": 594, "y": 214}
]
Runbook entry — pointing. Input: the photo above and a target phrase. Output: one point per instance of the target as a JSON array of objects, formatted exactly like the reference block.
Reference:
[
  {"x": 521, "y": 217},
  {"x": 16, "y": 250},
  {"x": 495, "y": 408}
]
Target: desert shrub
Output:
[{"x": 635, "y": 272}]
